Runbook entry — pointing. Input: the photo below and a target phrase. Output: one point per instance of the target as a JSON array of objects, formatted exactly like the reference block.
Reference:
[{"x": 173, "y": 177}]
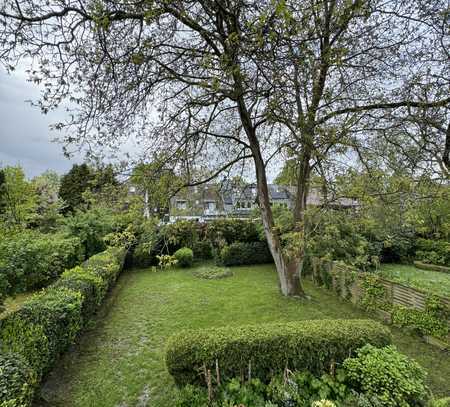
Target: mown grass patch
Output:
[
  {"x": 432, "y": 281},
  {"x": 119, "y": 362}
]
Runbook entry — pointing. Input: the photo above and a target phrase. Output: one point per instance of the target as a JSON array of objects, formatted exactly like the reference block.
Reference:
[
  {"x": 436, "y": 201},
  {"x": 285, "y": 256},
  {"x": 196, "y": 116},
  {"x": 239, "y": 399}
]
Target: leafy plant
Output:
[
  {"x": 385, "y": 373},
  {"x": 166, "y": 261},
  {"x": 212, "y": 272},
  {"x": 184, "y": 257},
  {"x": 17, "y": 381}
]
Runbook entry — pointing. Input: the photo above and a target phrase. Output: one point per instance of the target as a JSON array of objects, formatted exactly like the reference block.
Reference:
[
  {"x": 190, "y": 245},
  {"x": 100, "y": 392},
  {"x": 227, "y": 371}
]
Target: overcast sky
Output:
[{"x": 25, "y": 137}]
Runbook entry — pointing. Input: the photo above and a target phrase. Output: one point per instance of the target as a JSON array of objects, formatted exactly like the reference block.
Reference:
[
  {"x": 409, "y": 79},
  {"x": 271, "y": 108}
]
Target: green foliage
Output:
[
  {"x": 43, "y": 328},
  {"x": 182, "y": 233},
  {"x": 229, "y": 231},
  {"x": 184, "y": 257},
  {"x": 337, "y": 236},
  {"x": 385, "y": 373},
  {"x": 192, "y": 396},
  {"x": 148, "y": 243},
  {"x": 444, "y": 402},
  {"x": 433, "y": 252},
  {"x": 17, "y": 198},
  {"x": 30, "y": 260},
  {"x": 305, "y": 389},
  {"x": 166, "y": 261},
  {"x": 49, "y": 205},
  {"x": 431, "y": 321},
  {"x": 210, "y": 272},
  {"x": 374, "y": 294},
  {"x": 73, "y": 185},
  {"x": 47, "y": 324},
  {"x": 240, "y": 253},
  {"x": 17, "y": 381},
  {"x": 269, "y": 348},
  {"x": 203, "y": 250},
  {"x": 90, "y": 227}
]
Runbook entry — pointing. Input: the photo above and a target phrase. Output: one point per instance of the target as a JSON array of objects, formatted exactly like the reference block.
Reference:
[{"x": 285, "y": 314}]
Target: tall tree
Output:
[
  {"x": 18, "y": 197},
  {"x": 73, "y": 185},
  {"x": 234, "y": 80}
]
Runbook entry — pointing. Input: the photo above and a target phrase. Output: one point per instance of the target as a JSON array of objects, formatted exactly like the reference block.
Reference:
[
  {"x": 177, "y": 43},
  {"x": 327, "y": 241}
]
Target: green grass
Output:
[
  {"x": 119, "y": 361},
  {"x": 13, "y": 303},
  {"x": 428, "y": 280}
]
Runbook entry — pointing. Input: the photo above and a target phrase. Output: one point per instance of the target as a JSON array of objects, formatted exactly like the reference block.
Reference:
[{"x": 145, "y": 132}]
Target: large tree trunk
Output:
[{"x": 289, "y": 270}]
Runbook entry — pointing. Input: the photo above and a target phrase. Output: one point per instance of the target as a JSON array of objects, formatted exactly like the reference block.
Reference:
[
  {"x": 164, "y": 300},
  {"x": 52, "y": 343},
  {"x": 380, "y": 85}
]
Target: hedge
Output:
[
  {"x": 432, "y": 267},
  {"x": 268, "y": 349},
  {"x": 239, "y": 253},
  {"x": 45, "y": 326},
  {"x": 184, "y": 256},
  {"x": 17, "y": 381},
  {"x": 33, "y": 260}
]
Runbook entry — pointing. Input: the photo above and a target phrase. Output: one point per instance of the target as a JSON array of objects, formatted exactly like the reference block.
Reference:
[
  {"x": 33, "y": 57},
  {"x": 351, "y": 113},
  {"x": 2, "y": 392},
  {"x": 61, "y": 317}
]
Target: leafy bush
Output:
[
  {"x": 90, "y": 227},
  {"x": 202, "y": 250},
  {"x": 182, "y": 233},
  {"x": 433, "y": 251},
  {"x": 237, "y": 254},
  {"x": 166, "y": 261},
  {"x": 269, "y": 348},
  {"x": 385, "y": 373},
  {"x": 47, "y": 324},
  {"x": 184, "y": 256},
  {"x": 305, "y": 389},
  {"x": 231, "y": 230},
  {"x": 32, "y": 260},
  {"x": 17, "y": 381}
]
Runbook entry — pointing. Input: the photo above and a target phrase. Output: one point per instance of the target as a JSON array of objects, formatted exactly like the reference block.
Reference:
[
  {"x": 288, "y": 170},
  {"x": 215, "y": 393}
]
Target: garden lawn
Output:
[
  {"x": 119, "y": 361},
  {"x": 427, "y": 280}
]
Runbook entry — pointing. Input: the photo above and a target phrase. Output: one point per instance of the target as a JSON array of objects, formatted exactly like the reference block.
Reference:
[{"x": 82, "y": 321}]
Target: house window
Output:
[
  {"x": 238, "y": 204},
  {"x": 249, "y": 205},
  {"x": 181, "y": 205},
  {"x": 210, "y": 206}
]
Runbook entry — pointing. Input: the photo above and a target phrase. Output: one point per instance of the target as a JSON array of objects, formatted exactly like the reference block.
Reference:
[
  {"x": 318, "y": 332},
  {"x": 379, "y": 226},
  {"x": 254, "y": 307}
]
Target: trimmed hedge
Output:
[
  {"x": 45, "y": 326},
  {"x": 239, "y": 253},
  {"x": 269, "y": 348},
  {"x": 432, "y": 267},
  {"x": 17, "y": 381},
  {"x": 32, "y": 260}
]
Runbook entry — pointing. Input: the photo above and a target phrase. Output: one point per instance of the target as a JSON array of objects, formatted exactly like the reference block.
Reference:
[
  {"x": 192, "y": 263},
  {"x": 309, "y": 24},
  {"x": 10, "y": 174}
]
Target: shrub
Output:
[
  {"x": 433, "y": 252},
  {"x": 202, "y": 250},
  {"x": 385, "y": 373},
  {"x": 182, "y": 233},
  {"x": 184, "y": 257},
  {"x": 54, "y": 317},
  {"x": 269, "y": 348},
  {"x": 17, "y": 381},
  {"x": 90, "y": 227},
  {"x": 47, "y": 324},
  {"x": 232, "y": 230},
  {"x": 32, "y": 260},
  {"x": 237, "y": 254}
]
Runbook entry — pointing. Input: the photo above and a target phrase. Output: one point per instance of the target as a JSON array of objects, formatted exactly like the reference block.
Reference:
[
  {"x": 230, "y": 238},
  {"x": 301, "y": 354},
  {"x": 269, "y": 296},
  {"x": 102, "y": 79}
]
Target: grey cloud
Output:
[{"x": 25, "y": 137}]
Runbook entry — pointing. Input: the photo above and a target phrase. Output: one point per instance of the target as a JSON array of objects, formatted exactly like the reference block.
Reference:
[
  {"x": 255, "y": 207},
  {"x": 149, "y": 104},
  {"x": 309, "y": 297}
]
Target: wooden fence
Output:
[{"x": 396, "y": 293}]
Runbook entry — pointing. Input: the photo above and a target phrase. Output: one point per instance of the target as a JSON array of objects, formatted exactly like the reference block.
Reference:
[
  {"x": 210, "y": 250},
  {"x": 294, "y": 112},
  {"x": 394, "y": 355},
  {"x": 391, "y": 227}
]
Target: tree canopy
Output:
[{"x": 328, "y": 83}]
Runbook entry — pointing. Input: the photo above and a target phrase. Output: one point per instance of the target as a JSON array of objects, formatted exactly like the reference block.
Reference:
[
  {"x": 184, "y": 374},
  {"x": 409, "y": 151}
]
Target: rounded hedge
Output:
[
  {"x": 184, "y": 256},
  {"x": 269, "y": 348},
  {"x": 17, "y": 381}
]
